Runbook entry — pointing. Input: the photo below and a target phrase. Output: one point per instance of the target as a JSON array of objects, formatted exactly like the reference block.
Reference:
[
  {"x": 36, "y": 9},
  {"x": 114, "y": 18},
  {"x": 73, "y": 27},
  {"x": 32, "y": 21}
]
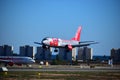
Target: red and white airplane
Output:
[
  {"x": 68, "y": 44},
  {"x": 11, "y": 60}
]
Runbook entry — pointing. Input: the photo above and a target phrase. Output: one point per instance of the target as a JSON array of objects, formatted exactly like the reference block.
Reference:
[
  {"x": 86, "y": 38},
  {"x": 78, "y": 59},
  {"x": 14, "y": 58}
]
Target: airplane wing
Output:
[
  {"x": 76, "y": 45},
  {"x": 82, "y": 44},
  {"x": 38, "y": 43}
]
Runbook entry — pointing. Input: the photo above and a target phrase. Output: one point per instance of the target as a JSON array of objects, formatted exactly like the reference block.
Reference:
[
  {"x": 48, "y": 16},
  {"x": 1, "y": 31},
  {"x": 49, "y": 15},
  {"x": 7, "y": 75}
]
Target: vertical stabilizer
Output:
[{"x": 77, "y": 35}]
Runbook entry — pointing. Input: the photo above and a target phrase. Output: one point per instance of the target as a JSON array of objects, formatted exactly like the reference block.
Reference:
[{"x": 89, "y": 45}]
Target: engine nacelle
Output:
[{"x": 69, "y": 47}]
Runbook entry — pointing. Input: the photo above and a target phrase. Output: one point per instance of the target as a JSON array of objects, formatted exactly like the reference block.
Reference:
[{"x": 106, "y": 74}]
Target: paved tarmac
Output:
[{"x": 67, "y": 68}]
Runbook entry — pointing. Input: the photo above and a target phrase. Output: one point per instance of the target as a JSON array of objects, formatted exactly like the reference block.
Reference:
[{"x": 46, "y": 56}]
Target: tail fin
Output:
[{"x": 77, "y": 36}]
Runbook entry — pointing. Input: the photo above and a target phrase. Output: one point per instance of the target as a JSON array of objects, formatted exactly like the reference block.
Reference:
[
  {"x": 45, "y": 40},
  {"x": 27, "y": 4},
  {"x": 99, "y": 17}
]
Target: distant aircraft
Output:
[
  {"x": 11, "y": 60},
  {"x": 68, "y": 44}
]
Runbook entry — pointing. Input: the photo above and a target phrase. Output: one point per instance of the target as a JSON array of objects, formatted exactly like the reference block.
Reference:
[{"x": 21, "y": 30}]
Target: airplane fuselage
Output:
[
  {"x": 55, "y": 42},
  {"x": 16, "y": 60}
]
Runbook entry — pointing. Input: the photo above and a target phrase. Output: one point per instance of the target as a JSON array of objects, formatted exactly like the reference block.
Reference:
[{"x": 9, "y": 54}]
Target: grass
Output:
[{"x": 53, "y": 75}]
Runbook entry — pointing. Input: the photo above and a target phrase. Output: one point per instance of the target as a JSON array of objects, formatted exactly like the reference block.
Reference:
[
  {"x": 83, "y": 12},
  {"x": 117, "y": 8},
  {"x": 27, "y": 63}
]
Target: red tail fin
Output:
[{"x": 77, "y": 36}]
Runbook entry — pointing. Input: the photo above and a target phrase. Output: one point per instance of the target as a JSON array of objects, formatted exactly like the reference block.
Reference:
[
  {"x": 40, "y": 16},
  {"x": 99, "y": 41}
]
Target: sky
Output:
[{"x": 23, "y": 22}]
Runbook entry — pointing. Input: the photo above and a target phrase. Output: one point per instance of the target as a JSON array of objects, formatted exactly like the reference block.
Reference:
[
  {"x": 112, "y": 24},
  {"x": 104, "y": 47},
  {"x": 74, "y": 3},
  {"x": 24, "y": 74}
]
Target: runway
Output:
[
  {"x": 62, "y": 72},
  {"x": 68, "y": 68}
]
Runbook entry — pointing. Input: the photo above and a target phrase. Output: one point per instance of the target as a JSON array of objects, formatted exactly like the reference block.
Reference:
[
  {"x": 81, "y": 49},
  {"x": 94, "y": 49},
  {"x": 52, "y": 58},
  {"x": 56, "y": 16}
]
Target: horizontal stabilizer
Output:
[{"x": 86, "y": 42}]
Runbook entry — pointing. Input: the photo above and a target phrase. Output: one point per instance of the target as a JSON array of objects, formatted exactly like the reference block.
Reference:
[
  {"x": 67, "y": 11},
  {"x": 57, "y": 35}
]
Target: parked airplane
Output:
[
  {"x": 68, "y": 44},
  {"x": 11, "y": 60}
]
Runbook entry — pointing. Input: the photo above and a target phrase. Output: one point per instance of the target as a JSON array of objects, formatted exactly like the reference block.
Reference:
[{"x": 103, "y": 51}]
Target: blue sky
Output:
[{"x": 24, "y": 21}]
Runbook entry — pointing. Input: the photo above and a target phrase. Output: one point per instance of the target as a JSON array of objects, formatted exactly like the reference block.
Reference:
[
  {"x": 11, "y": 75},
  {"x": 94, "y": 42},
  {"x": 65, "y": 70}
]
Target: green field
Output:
[{"x": 33, "y": 75}]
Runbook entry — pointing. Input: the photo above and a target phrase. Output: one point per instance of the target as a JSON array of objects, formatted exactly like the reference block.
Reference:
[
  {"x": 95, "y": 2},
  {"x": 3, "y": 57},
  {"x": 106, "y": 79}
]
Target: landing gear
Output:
[
  {"x": 67, "y": 48},
  {"x": 45, "y": 47}
]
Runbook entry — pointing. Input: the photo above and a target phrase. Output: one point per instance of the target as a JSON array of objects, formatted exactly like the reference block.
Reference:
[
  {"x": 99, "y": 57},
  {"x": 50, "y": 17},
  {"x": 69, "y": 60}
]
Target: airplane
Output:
[
  {"x": 48, "y": 42},
  {"x": 11, "y": 60}
]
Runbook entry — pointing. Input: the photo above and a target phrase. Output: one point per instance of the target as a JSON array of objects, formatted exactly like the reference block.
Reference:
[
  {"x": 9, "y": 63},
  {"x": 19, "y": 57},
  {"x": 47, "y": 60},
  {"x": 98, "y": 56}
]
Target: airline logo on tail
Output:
[
  {"x": 77, "y": 36},
  {"x": 68, "y": 44}
]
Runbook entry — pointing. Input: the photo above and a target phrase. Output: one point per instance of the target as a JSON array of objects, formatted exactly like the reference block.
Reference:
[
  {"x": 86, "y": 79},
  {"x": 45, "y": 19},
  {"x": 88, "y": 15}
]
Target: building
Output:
[
  {"x": 67, "y": 55},
  {"x": 1, "y": 50},
  {"x": 48, "y": 54},
  {"x": 39, "y": 55},
  {"x": 85, "y": 53},
  {"x": 80, "y": 54},
  {"x": 30, "y": 51},
  {"x": 6, "y": 50},
  {"x": 27, "y": 51},
  {"x": 74, "y": 53},
  {"x": 43, "y": 54},
  {"x": 62, "y": 54},
  {"x": 22, "y": 51},
  {"x": 115, "y": 55}
]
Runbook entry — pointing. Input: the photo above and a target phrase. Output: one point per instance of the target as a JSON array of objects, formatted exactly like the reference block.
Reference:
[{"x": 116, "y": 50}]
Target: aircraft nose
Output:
[
  {"x": 45, "y": 42},
  {"x": 34, "y": 61}
]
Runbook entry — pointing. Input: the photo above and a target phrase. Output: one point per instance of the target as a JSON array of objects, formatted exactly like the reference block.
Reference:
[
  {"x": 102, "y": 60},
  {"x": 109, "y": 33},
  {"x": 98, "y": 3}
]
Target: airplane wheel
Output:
[{"x": 44, "y": 47}]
